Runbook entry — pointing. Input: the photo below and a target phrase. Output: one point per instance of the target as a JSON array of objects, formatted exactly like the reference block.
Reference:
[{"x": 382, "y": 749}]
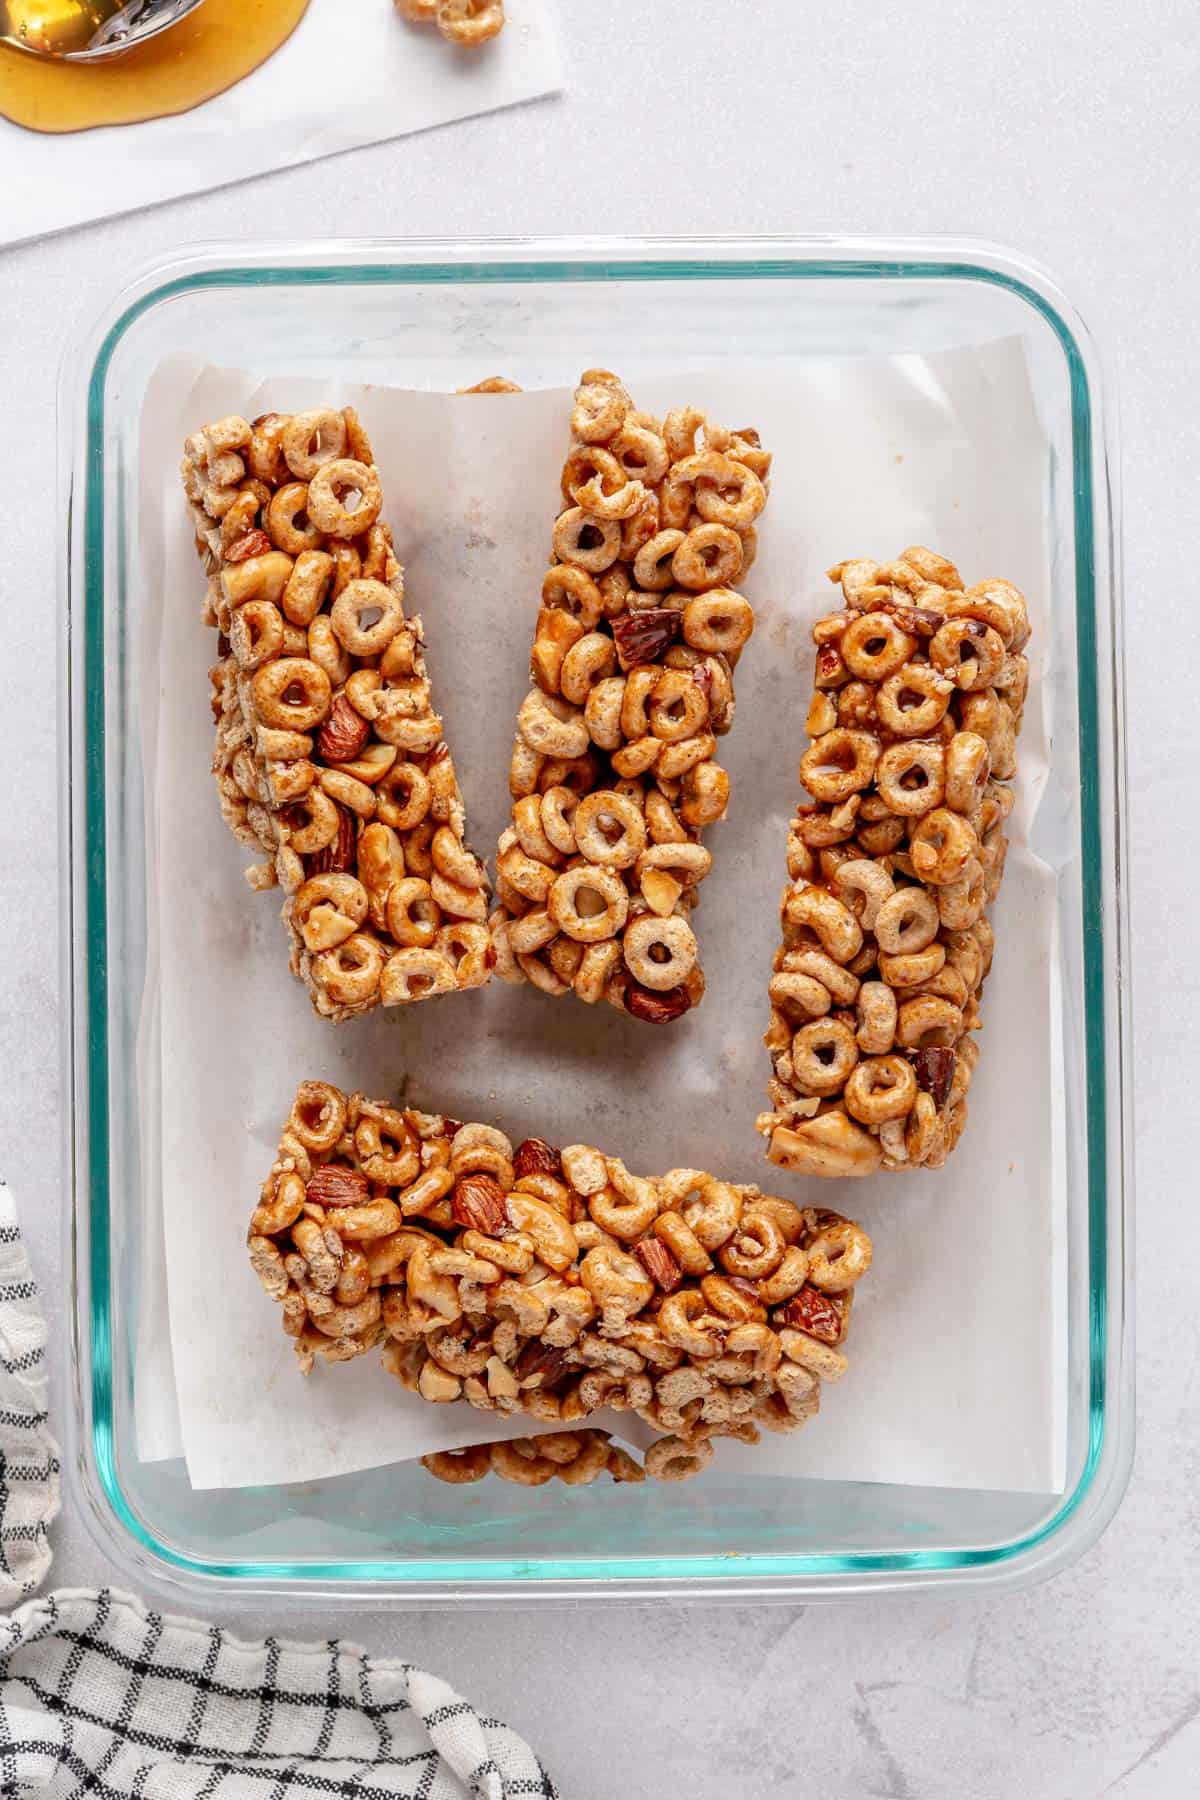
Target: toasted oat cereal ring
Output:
[
  {"x": 652, "y": 566},
  {"x": 291, "y": 693},
  {"x": 590, "y": 543},
  {"x": 598, "y": 890},
  {"x": 310, "y": 439},
  {"x": 725, "y": 492},
  {"x": 705, "y": 794},
  {"x": 459, "y": 901},
  {"x": 863, "y": 886},
  {"x": 876, "y": 1006},
  {"x": 595, "y": 480},
  {"x": 590, "y": 659},
  {"x": 960, "y": 903},
  {"x": 452, "y": 859},
  {"x": 680, "y": 430},
  {"x": 265, "y": 455},
  {"x": 796, "y": 995},
  {"x": 412, "y": 917},
  {"x": 329, "y": 491},
  {"x": 596, "y": 968},
  {"x": 322, "y": 821},
  {"x": 328, "y": 909},
  {"x": 676, "y": 759},
  {"x": 911, "y": 777},
  {"x": 913, "y": 701},
  {"x": 994, "y": 603},
  {"x": 288, "y": 524},
  {"x": 912, "y": 968},
  {"x": 532, "y": 932},
  {"x": 833, "y": 924},
  {"x": 874, "y": 646},
  {"x": 349, "y": 973},
  {"x": 366, "y": 617},
  {"x": 415, "y": 974},
  {"x": 678, "y": 1459},
  {"x": 881, "y": 1088},
  {"x": 823, "y": 1054},
  {"x": 719, "y": 623},
  {"x": 473, "y": 1461},
  {"x": 941, "y": 845},
  {"x": 968, "y": 765},
  {"x": 467, "y": 947},
  {"x": 527, "y": 823},
  {"x": 572, "y": 589},
  {"x": 838, "y": 1256},
  {"x": 318, "y": 1115},
  {"x": 928, "y": 1022},
  {"x": 641, "y": 452},
  {"x": 678, "y": 706},
  {"x": 551, "y": 726},
  {"x": 609, "y": 828},
  {"x": 839, "y": 763},
  {"x": 660, "y": 953},
  {"x": 968, "y": 652},
  {"x": 906, "y": 922},
  {"x": 304, "y": 595},
  {"x": 403, "y": 796},
  {"x": 325, "y": 650},
  {"x": 710, "y": 556},
  {"x": 755, "y": 1250},
  {"x": 256, "y": 633},
  {"x": 599, "y": 412}
]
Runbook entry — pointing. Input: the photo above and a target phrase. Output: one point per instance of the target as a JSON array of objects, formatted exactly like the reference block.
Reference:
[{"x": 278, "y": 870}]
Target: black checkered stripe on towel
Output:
[{"x": 102, "y": 1700}]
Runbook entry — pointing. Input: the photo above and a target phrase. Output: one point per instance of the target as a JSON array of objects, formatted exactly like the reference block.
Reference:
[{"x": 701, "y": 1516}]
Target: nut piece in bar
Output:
[
  {"x": 330, "y": 758},
  {"x": 614, "y": 772},
  {"x": 919, "y": 693},
  {"x": 708, "y": 1309}
]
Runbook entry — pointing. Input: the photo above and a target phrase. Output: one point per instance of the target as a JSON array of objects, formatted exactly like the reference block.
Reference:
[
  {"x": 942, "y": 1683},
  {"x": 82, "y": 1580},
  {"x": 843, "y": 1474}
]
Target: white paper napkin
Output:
[{"x": 353, "y": 73}]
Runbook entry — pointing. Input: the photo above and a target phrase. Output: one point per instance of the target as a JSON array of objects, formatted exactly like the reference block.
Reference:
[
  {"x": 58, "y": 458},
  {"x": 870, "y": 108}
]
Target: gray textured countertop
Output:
[{"x": 1070, "y": 132}]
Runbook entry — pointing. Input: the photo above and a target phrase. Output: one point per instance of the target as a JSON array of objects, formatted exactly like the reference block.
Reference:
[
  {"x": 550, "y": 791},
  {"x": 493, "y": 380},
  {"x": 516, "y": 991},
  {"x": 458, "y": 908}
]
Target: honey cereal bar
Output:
[
  {"x": 330, "y": 759},
  {"x": 614, "y": 770},
  {"x": 919, "y": 692},
  {"x": 525, "y": 1279}
]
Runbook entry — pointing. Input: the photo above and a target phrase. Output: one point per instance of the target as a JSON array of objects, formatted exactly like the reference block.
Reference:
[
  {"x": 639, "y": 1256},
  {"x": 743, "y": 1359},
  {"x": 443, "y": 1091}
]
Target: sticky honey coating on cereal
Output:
[
  {"x": 529, "y": 1279},
  {"x": 919, "y": 693},
  {"x": 614, "y": 774},
  {"x": 330, "y": 758}
]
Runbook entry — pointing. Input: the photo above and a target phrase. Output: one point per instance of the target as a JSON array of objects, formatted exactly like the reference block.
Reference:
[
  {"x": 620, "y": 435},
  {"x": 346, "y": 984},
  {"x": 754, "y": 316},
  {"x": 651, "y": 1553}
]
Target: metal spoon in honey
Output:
[{"x": 67, "y": 65}]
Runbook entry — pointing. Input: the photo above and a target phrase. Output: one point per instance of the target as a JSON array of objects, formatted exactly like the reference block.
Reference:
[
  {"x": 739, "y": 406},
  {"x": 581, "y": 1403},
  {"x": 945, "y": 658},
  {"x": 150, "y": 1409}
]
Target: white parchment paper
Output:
[
  {"x": 352, "y": 73},
  {"x": 957, "y": 1349}
]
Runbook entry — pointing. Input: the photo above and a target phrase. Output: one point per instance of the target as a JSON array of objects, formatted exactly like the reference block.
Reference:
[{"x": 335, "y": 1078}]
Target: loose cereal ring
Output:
[
  {"x": 330, "y": 759},
  {"x": 615, "y": 761},
  {"x": 875, "y": 988},
  {"x": 528, "y": 1280}
]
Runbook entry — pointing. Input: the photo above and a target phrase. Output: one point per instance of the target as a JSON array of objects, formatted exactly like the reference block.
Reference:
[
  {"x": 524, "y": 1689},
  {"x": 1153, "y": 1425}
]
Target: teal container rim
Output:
[{"x": 91, "y": 1249}]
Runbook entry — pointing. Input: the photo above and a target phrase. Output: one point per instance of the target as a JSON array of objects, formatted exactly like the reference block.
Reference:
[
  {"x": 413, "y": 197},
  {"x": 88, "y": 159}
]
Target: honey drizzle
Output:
[{"x": 213, "y": 48}]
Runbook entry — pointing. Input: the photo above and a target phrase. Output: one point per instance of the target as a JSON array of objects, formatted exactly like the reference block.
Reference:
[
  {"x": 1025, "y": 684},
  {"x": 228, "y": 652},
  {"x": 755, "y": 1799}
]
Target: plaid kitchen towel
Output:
[{"x": 101, "y": 1698}]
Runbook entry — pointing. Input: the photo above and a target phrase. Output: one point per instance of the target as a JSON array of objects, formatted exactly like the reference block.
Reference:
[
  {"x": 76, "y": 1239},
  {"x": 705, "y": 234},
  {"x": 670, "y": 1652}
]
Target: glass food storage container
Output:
[{"x": 437, "y": 315}]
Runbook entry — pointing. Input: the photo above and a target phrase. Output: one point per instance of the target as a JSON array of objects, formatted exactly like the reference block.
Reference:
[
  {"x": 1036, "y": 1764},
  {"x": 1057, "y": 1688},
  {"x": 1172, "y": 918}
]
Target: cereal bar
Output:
[
  {"x": 573, "y": 1457},
  {"x": 330, "y": 759},
  {"x": 532, "y": 1280},
  {"x": 614, "y": 769},
  {"x": 919, "y": 691}
]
